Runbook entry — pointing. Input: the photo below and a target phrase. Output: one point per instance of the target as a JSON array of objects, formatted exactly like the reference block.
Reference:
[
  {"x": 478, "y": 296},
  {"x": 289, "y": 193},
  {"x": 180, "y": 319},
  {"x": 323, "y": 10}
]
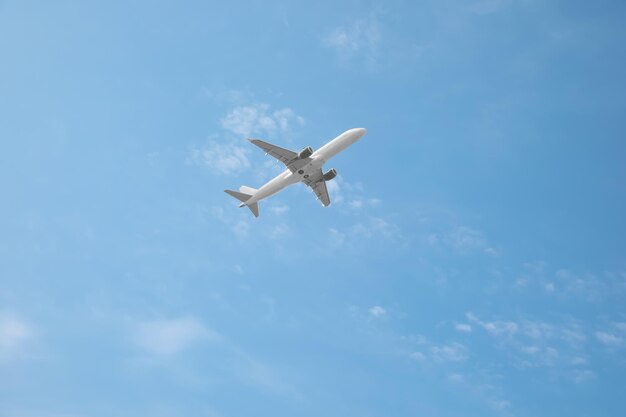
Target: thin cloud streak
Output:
[{"x": 171, "y": 336}]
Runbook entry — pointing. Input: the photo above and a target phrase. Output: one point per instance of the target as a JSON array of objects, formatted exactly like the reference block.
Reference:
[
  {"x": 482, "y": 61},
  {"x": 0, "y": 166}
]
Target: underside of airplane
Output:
[{"x": 304, "y": 166}]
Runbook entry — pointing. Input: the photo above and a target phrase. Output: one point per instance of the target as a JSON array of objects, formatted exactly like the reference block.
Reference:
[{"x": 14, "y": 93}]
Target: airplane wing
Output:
[
  {"x": 318, "y": 185},
  {"x": 283, "y": 155}
]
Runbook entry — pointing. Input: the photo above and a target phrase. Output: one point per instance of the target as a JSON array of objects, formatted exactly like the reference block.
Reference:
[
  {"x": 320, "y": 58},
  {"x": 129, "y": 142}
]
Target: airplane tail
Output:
[{"x": 244, "y": 195}]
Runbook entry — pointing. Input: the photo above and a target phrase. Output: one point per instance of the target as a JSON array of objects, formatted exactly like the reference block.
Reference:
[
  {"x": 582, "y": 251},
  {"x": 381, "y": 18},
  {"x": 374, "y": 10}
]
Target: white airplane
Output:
[{"x": 305, "y": 166}]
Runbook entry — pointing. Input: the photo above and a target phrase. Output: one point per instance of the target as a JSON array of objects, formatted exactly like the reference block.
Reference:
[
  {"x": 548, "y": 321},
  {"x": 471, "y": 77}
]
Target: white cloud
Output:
[
  {"x": 492, "y": 251},
  {"x": 547, "y": 356},
  {"x": 260, "y": 119},
  {"x": 496, "y": 328},
  {"x": 621, "y": 326},
  {"x": 350, "y": 195},
  {"x": 334, "y": 191},
  {"x": 14, "y": 332},
  {"x": 360, "y": 38},
  {"x": 501, "y": 327},
  {"x": 279, "y": 210},
  {"x": 241, "y": 228},
  {"x": 377, "y": 311},
  {"x": 336, "y": 237},
  {"x": 285, "y": 116},
  {"x": 418, "y": 356},
  {"x": 465, "y": 238},
  {"x": 551, "y": 354},
  {"x": 537, "y": 330},
  {"x": 454, "y": 352},
  {"x": 168, "y": 337},
  {"x": 573, "y": 336},
  {"x": 230, "y": 157},
  {"x": 375, "y": 227},
  {"x": 227, "y": 159},
  {"x": 531, "y": 350},
  {"x": 581, "y": 375},
  {"x": 500, "y": 405},
  {"x": 278, "y": 231},
  {"x": 463, "y": 328},
  {"x": 609, "y": 339},
  {"x": 456, "y": 378},
  {"x": 587, "y": 286}
]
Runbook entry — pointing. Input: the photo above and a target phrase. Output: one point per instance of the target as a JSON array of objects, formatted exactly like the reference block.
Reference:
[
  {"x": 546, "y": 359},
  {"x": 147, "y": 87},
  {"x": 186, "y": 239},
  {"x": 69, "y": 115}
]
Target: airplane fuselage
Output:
[{"x": 317, "y": 160}]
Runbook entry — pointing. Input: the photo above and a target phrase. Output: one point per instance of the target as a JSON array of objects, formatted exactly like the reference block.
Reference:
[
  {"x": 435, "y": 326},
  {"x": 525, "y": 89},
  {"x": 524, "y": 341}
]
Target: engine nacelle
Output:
[
  {"x": 330, "y": 174},
  {"x": 305, "y": 153}
]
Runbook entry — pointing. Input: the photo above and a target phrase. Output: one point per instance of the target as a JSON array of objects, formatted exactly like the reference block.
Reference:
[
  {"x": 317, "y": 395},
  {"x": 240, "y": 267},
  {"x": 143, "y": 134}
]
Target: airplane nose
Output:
[{"x": 361, "y": 131}]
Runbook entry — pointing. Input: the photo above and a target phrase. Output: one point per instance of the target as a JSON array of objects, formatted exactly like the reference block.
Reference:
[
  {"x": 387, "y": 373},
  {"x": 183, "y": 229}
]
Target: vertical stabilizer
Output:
[
  {"x": 239, "y": 196},
  {"x": 254, "y": 208}
]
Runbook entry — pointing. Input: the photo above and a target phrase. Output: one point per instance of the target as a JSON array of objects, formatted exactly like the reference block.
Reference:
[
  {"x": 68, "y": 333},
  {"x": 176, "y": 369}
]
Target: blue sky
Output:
[{"x": 471, "y": 263}]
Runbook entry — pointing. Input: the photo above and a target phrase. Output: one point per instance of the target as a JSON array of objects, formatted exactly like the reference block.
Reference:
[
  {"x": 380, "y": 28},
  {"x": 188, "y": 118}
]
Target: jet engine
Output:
[
  {"x": 305, "y": 153},
  {"x": 330, "y": 174}
]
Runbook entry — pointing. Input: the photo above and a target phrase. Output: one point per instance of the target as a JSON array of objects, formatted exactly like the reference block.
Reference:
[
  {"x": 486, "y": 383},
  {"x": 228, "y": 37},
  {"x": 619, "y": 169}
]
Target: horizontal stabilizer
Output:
[{"x": 239, "y": 196}]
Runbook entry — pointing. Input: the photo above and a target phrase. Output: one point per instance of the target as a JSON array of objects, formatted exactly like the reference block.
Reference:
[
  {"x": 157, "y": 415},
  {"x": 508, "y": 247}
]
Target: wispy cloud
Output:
[
  {"x": 456, "y": 378},
  {"x": 171, "y": 336},
  {"x": 260, "y": 119},
  {"x": 241, "y": 228},
  {"x": 463, "y": 239},
  {"x": 222, "y": 158},
  {"x": 610, "y": 339},
  {"x": 166, "y": 339},
  {"x": 620, "y": 325},
  {"x": 14, "y": 333},
  {"x": 463, "y": 328},
  {"x": 279, "y": 210},
  {"x": 376, "y": 226},
  {"x": 359, "y": 38},
  {"x": 454, "y": 352},
  {"x": 536, "y": 344},
  {"x": 539, "y": 356},
  {"x": 370, "y": 228},
  {"x": 566, "y": 283},
  {"x": 227, "y": 153},
  {"x": 350, "y": 196},
  {"x": 499, "y": 404},
  {"x": 377, "y": 311},
  {"x": 587, "y": 286},
  {"x": 581, "y": 375},
  {"x": 334, "y": 190},
  {"x": 448, "y": 352},
  {"x": 497, "y": 327},
  {"x": 466, "y": 238},
  {"x": 531, "y": 332},
  {"x": 278, "y": 231},
  {"x": 490, "y": 392}
]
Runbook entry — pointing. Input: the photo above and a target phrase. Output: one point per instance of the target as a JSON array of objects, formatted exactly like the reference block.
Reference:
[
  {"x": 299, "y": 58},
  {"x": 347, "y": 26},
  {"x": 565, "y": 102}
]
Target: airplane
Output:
[{"x": 304, "y": 166}]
